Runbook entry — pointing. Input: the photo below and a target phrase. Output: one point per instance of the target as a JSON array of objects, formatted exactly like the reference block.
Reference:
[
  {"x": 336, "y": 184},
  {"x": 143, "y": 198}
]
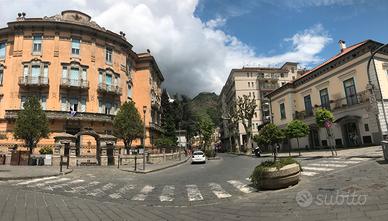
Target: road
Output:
[{"x": 216, "y": 190}]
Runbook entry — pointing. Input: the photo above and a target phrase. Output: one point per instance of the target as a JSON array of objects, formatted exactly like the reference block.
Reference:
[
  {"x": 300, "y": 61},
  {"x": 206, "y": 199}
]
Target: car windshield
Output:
[{"x": 198, "y": 153}]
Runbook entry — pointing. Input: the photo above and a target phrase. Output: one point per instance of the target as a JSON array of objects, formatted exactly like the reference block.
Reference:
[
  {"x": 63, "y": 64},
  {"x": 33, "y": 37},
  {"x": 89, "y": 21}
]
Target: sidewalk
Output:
[
  {"x": 8, "y": 172},
  {"x": 372, "y": 151},
  {"x": 153, "y": 167}
]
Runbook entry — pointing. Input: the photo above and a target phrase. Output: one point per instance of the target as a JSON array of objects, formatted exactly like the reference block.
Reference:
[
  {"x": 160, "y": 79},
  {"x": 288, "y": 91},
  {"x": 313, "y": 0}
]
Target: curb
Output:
[
  {"x": 35, "y": 177},
  {"x": 158, "y": 169}
]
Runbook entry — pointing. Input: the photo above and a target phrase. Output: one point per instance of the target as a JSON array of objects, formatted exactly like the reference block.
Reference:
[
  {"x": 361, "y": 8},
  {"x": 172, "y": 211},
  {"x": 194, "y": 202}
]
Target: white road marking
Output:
[
  {"x": 143, "y": 193},
  {"x": 327, "y": 165},
  {"x": 219, "y": 191},
  {"x": 49, "y": 182},
  {"x": 100, "y": 191},
  {"x": 240, "y": 186},
  {"x": 193, "y": 193},
  {"x": 37, "y": 180},
  {"x": 63, "y": 185},
  {"x": 306, "y": 173},
  {"x": 359, "y": 159},
  {"x": 167, "y": 194},
  {"x": 317, "y": 168},
  {"x": 121, "y": 191},
  {"x": 83, "y": 188},
  {"x": 340, "y": 162}
]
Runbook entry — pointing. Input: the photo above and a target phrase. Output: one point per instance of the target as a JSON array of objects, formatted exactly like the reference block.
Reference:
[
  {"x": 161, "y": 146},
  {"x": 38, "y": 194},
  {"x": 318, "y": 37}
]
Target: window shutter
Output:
[
  {"x": 43, "y": 102},
  {"x": 63, "y": 103},
  {"x": 83, "y": 104}
]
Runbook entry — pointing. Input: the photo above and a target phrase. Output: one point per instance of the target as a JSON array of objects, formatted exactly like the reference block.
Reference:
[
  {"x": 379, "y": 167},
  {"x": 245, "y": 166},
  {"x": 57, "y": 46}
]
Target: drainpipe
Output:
[{"x": 378, "y": 83}]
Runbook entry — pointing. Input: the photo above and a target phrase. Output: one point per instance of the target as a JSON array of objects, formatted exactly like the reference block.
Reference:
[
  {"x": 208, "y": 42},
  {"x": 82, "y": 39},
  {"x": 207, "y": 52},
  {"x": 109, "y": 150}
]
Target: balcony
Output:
[
  {"x": 109, "y": 89},
  {"x": 29, "y": 81},
  {"x": 65, "y": 115},
  {"x": 341, "y": 104},
  {"x": 74, "y": 83}
]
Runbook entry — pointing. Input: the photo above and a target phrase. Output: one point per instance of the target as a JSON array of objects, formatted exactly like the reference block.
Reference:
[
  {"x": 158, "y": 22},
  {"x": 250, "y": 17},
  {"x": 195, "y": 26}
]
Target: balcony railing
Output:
[
  {"x": 269, "y": 87},
  {"x": 33, "y": 81},
  {"x": 338, "y": 104},
  {"x": 109, "y": 88},
  {"x": 156, "y": 127},
  {"x": 66, "y": 115},
  {"x": 76, "y": 83}
]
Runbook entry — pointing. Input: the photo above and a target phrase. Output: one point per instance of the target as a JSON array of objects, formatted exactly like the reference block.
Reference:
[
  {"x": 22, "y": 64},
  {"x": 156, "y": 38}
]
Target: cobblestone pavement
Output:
[{"x": 318, "y": 197}]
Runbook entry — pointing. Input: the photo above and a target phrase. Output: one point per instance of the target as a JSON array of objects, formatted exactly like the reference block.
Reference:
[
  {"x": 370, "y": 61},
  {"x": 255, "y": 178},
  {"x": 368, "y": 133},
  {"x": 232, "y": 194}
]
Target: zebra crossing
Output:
[
  {"x": 135, "y": 192},
  {"x": 329, "y": 164}
]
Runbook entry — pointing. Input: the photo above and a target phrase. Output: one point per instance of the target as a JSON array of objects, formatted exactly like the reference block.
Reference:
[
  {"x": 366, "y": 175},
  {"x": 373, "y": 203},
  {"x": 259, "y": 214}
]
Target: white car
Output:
[{"x": 198, "y": 157}]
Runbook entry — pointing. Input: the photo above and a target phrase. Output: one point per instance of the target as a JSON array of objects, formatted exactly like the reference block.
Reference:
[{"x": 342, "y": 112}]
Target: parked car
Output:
[{"x": 198, "y": 157}]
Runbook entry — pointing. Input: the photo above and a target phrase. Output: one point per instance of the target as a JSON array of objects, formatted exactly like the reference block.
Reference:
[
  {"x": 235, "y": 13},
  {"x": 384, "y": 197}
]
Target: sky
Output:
[{"x": 197, "y": 42}]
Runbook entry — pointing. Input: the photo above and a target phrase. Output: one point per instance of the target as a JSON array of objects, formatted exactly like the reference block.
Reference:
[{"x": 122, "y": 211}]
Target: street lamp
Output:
[
  {"x": 144, "y": 136},
  {"x": 377, "y": 78}
]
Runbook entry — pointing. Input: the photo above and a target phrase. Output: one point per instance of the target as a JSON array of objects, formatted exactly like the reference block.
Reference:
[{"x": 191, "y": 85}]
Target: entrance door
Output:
[
  {"x": 111, "y": 159},
  {"x": 314, "y": 138},
  {"x": 351, "y": 134}
]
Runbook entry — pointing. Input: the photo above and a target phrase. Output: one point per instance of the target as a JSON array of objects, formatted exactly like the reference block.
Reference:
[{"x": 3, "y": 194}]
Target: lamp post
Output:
[{"x": 144, "y": 136}]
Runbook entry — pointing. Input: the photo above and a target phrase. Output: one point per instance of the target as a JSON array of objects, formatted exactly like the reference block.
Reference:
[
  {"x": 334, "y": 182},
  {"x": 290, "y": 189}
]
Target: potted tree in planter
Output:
[{"x": 276, "y": 174}]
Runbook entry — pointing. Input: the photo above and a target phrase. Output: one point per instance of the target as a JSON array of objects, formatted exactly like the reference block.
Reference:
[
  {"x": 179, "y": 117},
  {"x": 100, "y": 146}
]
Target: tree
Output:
[
  {"x": 205, "y": 128},
  {"x": 245, "y": 110},
  {"x": 31, "y": 123},
  {"x": 296, "y": 129},
  {"x": 127, "y": 124},
  {"x": 272, "y": 135},
  {"x": 324, "y": 119},
  {"x": 168, "y": 117}
]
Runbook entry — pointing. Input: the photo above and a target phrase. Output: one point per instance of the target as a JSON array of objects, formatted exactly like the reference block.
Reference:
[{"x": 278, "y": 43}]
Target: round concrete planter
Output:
[{"x": 274, "y": 179}]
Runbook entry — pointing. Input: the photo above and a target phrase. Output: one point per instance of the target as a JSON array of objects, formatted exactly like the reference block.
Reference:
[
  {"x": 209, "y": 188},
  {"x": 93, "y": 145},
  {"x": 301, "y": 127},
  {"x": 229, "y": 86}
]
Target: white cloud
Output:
[{"x": 193, "y": 55}]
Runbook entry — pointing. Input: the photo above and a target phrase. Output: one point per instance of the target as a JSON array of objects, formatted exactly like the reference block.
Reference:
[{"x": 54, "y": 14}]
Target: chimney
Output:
[{"x": 342, "y": 45}]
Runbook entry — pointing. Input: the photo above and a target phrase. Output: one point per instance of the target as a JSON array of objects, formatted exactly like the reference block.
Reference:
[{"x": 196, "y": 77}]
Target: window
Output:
[
  {"x": 100, "y": 105},
  {"x": 366, "y": 126},
  {"x": 64, "y": 72},
  {"x": 84, "y": 75},
  {"x": 63, "y": 103},
  {"x": 108, "y": 108},
  {"x": 83, "y": 104},
  {"x": 75, "y": 46},
  {"x": 74, "y": 104},
  {"x": 307, "y": 105},
  {"x": 108, "y": 55},
  {"x": 325, "y": 102},
  {"x": 43, "y": 102},
  {"x": 249, "y": 84},
  {"x": 282, "y": 75},
  {"x": 1, "y": 76},
  {"x": 100, "y": 75},
  {"x": 74, "y": 73},
  {"x": 22, "y": 101},
  {"x": 108, "y": 79},
  {"x": 350, "y": 91},
  {"x": 37, "y": 43},
  {"x": 129, "y": 92},
  {"x": 255, "y": 114},
  {"x": 247, "y": 74},
  {"x": 292, "y": 69},
  {"x": 25, "y": 71},
  {"x": 35, "y": 73},
  {"x": 2, "y": 50},
  {"x": 253, "y": 84},
  {"x": 282, "y": 111}
]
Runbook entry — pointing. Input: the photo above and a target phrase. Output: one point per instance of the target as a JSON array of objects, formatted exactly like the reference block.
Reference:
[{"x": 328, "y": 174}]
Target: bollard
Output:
[
  {"x": 118, "y": 162},
  {"x": 135, "y": 162},
  {"x": 68, "y": 162},
  {"x": 60, "y": 164}
]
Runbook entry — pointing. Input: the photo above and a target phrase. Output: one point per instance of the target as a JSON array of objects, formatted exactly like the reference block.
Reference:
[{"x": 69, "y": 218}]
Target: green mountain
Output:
[{"x": 207, "y": 103}]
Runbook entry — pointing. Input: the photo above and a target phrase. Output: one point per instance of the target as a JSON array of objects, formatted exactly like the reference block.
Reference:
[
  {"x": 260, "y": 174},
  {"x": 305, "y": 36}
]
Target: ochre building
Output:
[{"x": 80, "y": 71}]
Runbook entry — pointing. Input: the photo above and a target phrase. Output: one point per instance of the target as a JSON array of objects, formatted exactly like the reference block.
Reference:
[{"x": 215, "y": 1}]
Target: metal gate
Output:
[{"x": 20, "y": 158}]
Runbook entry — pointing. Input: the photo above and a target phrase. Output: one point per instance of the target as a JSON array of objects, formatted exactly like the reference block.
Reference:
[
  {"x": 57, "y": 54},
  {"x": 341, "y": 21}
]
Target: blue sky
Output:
[
  {"x": 197, "y": 42},
  {"x": 264, "y": 24}
]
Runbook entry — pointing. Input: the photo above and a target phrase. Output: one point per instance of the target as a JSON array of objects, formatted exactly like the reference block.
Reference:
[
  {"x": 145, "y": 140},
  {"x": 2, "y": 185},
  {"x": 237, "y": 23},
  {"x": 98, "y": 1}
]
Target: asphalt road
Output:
[{"x": 216, "y": 190}]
